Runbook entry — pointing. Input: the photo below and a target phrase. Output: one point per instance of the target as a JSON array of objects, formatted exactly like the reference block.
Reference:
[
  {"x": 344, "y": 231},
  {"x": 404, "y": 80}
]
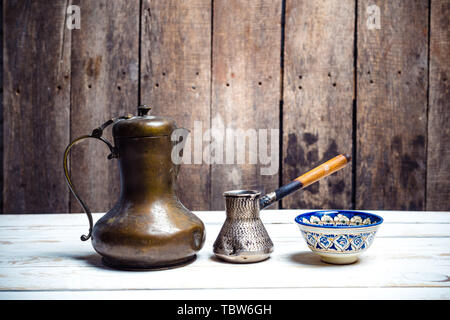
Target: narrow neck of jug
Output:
[{"x": 146, "y": 168}]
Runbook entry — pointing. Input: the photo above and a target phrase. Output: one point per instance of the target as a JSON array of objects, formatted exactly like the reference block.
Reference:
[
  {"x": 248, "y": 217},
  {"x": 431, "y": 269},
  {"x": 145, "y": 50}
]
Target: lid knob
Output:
[{"x": 143, "y": 110}]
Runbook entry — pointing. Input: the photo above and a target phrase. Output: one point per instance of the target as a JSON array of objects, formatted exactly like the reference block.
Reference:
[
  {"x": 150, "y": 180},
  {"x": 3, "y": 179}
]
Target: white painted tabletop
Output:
[{"x": 42, "y": 257}]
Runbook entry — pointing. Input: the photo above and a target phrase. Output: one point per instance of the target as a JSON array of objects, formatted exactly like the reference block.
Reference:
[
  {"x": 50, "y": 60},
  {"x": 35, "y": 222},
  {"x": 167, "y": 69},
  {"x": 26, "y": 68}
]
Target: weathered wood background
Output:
[{"x": 312, "y": 69}]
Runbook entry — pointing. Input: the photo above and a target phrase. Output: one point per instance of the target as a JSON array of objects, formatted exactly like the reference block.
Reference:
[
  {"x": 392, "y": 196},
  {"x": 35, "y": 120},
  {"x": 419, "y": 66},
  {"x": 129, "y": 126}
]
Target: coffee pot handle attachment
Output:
[{"x": 96, "y": 134}]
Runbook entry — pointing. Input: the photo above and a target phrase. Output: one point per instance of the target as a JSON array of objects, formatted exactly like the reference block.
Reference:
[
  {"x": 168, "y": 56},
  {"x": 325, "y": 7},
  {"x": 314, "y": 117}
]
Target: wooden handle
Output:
[
  {"x": 305, "y": 180},
  {"x": 325, "y": 169}
]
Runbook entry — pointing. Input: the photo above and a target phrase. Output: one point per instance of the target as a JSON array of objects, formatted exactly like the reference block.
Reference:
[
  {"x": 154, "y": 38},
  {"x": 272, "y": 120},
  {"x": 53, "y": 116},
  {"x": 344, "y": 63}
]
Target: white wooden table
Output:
[{"x": 41, "y": 257}]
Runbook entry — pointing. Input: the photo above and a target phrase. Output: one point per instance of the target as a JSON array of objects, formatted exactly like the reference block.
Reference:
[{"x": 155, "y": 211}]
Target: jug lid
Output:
[{"x": 144, "y": 125}]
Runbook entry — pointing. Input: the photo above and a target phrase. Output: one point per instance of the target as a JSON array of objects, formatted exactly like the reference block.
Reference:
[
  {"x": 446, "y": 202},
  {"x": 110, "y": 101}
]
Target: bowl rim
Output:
[{"x": 298, "y": 219}]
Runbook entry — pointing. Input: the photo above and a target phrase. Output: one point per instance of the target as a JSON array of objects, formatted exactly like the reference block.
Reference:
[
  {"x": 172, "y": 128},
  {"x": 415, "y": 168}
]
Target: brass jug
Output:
[{"x": 148, "y": 227}]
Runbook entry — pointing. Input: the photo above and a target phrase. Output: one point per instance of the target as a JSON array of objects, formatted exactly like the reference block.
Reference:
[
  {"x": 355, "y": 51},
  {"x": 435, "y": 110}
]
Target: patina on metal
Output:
[{"x": 148, "y": 228}]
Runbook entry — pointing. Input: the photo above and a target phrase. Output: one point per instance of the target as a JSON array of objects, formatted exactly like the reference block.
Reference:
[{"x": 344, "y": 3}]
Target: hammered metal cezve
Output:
[{"x": 243, "y": 237}]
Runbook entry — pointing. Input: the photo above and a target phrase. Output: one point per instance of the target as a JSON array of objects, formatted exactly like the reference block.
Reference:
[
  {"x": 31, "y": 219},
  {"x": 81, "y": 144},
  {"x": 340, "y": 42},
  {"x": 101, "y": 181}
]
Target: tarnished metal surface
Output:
[
  {"x": 148, "y": 227},
  {"x": 243, "y": 237}
]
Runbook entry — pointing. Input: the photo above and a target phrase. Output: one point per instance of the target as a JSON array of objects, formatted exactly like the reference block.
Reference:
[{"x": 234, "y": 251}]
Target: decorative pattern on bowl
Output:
[{"x": 338, "y": 236}]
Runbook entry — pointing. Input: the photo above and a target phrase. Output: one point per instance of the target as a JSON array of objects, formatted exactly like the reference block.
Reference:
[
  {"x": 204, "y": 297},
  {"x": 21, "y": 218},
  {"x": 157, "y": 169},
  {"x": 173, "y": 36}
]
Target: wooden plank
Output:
[
  {"x": 238, "y": 294},
  {"x": 105, "y": 62},
  {"x": 287, "y": 232},
  {"x": 60, "y": 250},
  {"x": 318, "y": 98},
  {"x": 438, "y": 164},
  {"x": 284, "y": 216},
  {"x": 175, "y": 78},
  {"x": 391, "y": 106},
  {"x": 36, "y": 106},
  {"x": 245, "y": 87},
  {"x": 390, "y": 272},
  {"x": 1, "y": 108},
  {"x": 58, "y": 237},
  {"x": 421, "y": 262}
]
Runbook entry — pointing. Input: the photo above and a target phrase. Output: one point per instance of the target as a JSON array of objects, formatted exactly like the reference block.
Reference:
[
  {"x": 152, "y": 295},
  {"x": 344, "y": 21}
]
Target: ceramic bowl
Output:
[{"x": 338, "y": 236}]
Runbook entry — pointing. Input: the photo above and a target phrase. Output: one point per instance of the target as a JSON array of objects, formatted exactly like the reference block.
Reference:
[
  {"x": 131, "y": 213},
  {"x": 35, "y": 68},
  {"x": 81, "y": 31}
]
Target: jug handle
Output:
[{"x": 96, "y": 134}]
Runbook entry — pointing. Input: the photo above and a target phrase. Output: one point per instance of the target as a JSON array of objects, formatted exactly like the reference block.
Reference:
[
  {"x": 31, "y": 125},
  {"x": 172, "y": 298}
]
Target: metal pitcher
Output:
[{"x": 148, "y": 227}]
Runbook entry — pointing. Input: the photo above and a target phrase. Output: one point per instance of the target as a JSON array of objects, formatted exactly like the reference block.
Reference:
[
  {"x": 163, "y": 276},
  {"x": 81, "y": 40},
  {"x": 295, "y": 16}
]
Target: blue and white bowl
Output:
[{"x": 338, "y": 236}]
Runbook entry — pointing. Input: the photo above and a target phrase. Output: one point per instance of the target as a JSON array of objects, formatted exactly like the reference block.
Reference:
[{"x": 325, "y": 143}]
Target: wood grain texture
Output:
[
  {"x": 438, "y": 164},
  {"x": 245, "y": 86},
  {"x": 218, "y": 62},
  {"x": 1, "y": 108},
  {"x": 48, "y": 256},
  {"x": 318, "y": 98},
  {"x": 175, "y": 78},
  {"x": 236, "y": 294},
  {"x": 36, "y": 106},
  {"x": 105, "y": 69},
  {"x": 391, "y": 106}
]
